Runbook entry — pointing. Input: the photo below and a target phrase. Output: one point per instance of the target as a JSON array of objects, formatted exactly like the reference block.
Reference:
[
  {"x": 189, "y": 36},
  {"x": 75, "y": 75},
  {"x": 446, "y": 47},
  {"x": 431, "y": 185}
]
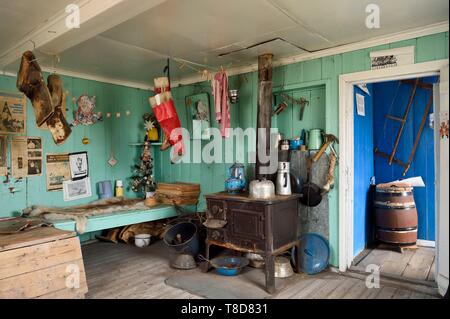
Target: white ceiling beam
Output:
[{"x": 96, "y": 16}]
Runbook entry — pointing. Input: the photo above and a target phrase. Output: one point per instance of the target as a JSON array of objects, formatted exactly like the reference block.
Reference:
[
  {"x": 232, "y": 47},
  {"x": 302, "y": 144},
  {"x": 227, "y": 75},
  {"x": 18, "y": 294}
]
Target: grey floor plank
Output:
[
  {"x": 343, "y": 288},
  {"x": 387, "y": 292},
  {"x": 123, "y": 271},
  {"x": 420, "y": 264}
]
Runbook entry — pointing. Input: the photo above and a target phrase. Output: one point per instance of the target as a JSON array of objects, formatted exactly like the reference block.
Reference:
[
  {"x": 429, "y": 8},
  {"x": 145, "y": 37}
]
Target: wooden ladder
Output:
[{"x": 391, "y": 157}]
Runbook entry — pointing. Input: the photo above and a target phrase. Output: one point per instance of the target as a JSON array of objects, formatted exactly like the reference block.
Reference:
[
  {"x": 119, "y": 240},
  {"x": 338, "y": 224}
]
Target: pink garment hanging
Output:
[{"x": 221, "y": 103}]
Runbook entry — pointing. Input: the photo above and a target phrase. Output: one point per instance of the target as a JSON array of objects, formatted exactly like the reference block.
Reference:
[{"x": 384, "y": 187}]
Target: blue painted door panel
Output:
[
  {"x": 384, "y": 139},
  {"x": 364, "y": 170}
]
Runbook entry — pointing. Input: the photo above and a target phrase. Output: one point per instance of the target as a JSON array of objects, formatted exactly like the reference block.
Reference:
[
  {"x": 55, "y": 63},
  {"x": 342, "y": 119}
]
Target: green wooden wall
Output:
[
  {"x": 316, "y": 79},
  {"x": 116, "y": 132}
]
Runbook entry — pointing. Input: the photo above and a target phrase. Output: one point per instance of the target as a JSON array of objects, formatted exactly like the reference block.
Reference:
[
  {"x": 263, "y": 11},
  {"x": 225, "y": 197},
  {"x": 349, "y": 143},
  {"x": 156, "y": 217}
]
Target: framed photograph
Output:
[
  {"x": 199, "y": 121},
  {"x": 79, "y": 166},
  {"x": 13, "y": 111},
  {"x": 78, "y": 189}
]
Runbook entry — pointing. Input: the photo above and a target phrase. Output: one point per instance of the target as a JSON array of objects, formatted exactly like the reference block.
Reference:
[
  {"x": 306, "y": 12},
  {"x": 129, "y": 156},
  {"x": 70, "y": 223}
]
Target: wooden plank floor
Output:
[
  {"x": 124, "y": 271},
  {"x": 417, "y": 264}
]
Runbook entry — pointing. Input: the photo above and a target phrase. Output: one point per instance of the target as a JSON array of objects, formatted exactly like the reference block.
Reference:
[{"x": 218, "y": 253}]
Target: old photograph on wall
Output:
[
  {"x": 57, "y": 170},
  {"x": 12, "y": 113},
  {"x": 26, "y": 156},
  {"x": 3, "y": 154},
  {"x": 34, "y": 156},
  {"x": 79, "y": 166},
  {"x": 78, "y": 189}
]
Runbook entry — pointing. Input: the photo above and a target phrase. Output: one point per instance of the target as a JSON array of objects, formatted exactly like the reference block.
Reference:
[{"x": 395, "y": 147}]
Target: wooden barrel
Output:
[{"x": 395, "y": 215}]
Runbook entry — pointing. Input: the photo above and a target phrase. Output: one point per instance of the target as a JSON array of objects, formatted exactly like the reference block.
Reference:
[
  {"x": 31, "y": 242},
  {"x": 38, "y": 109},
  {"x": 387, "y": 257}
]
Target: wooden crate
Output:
[
  {"x": 42, "y": 263},
  {"x": 178, "y": 193}
]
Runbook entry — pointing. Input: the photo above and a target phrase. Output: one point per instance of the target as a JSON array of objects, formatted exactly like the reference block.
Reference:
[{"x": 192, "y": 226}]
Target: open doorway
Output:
[
  {"x": 441, "y": 143},
  {"x": 395, "y": 230}
]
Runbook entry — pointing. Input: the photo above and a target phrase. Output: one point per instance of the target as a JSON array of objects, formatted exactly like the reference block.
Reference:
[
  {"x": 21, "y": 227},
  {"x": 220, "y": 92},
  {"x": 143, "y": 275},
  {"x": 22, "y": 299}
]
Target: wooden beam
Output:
[
  {"x": 405, "y": 117},
  {"x": 264, "y": 115},
  {"x": 95, "y": 17},
  {"x": 422, "y": 85}
]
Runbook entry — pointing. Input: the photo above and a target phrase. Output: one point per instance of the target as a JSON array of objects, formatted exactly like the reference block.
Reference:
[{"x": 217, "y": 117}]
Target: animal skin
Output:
[
  {"x": 82, "y": 212},
  {"x": 31, "y": 82},
  {"x": 57, "y": 124}
]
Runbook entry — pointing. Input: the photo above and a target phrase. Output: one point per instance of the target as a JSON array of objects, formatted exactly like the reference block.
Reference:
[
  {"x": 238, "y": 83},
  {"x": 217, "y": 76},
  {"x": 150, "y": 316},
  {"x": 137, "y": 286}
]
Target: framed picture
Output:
[
  {"x": 79, "y": 166},
  {"x": 13, "y": 111},
  {"x": 199, "y": 116},
  {"x": 78, "y": 189}
]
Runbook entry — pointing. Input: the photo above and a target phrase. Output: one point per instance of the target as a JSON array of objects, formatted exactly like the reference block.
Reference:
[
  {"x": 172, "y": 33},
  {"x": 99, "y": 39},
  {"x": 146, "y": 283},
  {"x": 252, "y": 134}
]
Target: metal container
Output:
[
  {"x": 294, "y": 144},
  {"x": 184, "y": 261},
  {"x": 283, "y": 179},
  {"x": 142, "y": 240},
  {"x": 283, "y": 268},
  {"x": 396, "y": 215},
  {"x": 284, "y": 145},
  {"x": 261, "y": 189},
  {"x": 234, "y": 95},
  {"x": 229, "y": 265},
  {"x": 255, "y": 260},
  {"x": 236, "y": 181},
  {"x": 183, "y": 238},
  {"x": 315, "y": 139}
]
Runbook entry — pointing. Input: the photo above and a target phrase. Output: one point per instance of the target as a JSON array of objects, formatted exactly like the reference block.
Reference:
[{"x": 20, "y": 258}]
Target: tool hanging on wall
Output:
[
  {"x": 330, "y": 139},
  {"x": 391, "y": 157},
  {"x": 302, "y": 102}
]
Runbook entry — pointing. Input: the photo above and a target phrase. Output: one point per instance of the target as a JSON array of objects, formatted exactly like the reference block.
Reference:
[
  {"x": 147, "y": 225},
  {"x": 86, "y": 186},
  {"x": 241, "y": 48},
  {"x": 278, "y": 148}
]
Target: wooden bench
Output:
[{"x": 118, "y": 219}]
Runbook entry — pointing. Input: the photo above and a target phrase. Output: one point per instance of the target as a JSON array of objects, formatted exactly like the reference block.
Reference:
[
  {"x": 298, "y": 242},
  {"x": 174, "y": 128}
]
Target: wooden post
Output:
[{"x": 264, "y": 110}]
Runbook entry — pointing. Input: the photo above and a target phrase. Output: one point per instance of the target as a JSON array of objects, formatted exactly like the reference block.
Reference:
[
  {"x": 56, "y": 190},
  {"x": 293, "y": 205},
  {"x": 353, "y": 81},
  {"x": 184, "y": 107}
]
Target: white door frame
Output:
[{"x": 346, "y": 140}]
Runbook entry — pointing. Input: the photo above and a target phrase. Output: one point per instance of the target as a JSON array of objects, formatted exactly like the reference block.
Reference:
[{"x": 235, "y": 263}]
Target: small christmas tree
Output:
[{"x": 142, "y": 180}]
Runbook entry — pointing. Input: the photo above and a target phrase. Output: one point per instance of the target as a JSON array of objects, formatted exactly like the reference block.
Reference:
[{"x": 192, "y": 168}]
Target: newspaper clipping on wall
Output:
[
  {"x": 13, "y": 113},
  {"x": 3, "y": 155},
  {"x": 77, "y": 189},
  {"x": 57, "y": 170},
  {"x": 26, "y": 156}
]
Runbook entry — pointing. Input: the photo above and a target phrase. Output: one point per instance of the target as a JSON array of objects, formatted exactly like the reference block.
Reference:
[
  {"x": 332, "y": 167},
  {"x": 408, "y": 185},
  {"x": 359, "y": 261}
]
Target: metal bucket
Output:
[
  {"x": 396, "y": 215},
  {"x": 189, "y": 238}
]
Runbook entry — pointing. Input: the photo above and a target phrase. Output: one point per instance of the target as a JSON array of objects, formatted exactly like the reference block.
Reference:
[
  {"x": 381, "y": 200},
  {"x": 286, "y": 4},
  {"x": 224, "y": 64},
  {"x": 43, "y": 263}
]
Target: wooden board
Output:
[
  {"x": 420, "y": 264},
  {"x": 28, "y": 259},
  {"x": 41, "y": 282},
  {"x": 32, "y": 237}
]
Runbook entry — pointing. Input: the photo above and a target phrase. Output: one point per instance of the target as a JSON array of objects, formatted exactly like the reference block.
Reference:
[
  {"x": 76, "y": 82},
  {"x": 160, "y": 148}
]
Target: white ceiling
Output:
[
  {"x": 20, "y": 17},
  {"x": 199, "y": 31}
]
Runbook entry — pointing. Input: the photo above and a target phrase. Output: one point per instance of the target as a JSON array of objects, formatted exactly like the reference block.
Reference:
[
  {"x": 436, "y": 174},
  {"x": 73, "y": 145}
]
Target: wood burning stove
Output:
[{"x": 265, "y": 227}]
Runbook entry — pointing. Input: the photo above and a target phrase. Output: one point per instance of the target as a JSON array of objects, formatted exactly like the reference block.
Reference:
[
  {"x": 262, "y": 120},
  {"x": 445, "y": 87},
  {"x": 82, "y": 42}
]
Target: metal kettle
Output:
[{"x": 283, "y": 186}]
